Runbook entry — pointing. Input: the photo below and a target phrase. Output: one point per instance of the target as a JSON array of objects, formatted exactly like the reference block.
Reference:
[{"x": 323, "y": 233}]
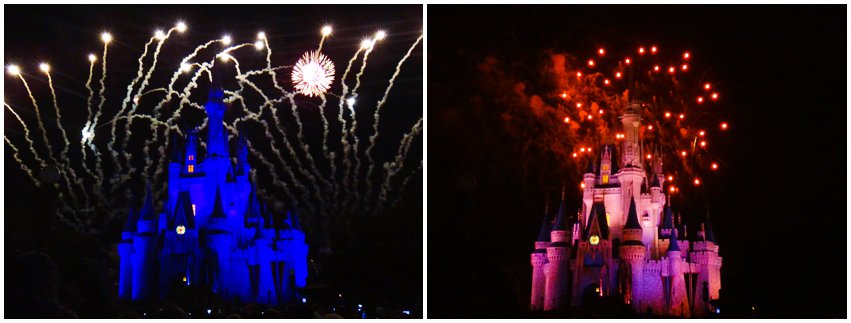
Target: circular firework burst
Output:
[{"x": 313, "y": 74}]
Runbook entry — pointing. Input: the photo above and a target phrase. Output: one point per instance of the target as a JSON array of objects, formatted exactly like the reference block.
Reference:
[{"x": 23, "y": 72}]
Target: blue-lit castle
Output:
[{"x": 213, "y": 231}]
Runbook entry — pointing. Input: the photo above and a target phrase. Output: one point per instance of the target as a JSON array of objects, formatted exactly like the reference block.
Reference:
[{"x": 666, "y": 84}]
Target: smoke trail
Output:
[
  {"x": 127, "y": 98},
  {"x": 41, "y": 162},
  {"x": 393, "y": 167},
  {"x": 50, "y": 151},
  {"x": 85, "y": 138},
  {"x": 343, "y": 141},
  {"x": 350, "y": 177},
  {"x": 92, "y": 128},
  {"x": 21, "y": 162},
  {"x": 324, "y": 129},
  {"x": 376, "y": 117},
  {"x": 64, "y": 154},
  {"x": 304, "y": 146},
  {"x": 383, "y": 198}
]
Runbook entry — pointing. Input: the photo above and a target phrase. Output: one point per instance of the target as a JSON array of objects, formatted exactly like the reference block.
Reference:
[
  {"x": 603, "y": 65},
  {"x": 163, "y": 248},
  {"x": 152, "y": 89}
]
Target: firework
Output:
[
  {"x": 313, "y": 74},
  {"x": 676, "y": 103},
  {"x": 285, "y": 160}
]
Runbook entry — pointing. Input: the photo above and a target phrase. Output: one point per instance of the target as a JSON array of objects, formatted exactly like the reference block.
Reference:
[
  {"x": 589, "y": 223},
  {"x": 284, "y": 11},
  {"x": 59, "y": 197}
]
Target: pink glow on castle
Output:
[{"x": 625, "y": 242}]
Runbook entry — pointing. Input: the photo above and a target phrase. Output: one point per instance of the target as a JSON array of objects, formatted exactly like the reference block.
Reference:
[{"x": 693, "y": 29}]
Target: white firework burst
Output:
[{"x": 313, "y": 74}]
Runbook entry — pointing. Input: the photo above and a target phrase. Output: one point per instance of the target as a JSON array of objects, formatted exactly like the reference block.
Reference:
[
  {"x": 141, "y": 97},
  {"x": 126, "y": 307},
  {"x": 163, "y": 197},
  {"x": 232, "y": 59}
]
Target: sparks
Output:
[
  {"x": 181, "y": 26},
  {"x": 667, "y": 114},
  {"x": 697, "y": 182},
  {"x": 259, "y": 45},
  {"x": 159, "y": 34},
  {"x": 13, "y": 69},
  {"x": 699, "y": 99},
  {"x": 601, "y": 51},
  {"x": 582, "y": 150},
  {"x": 606, "y": 81},
  {"x": 650, "y": 127},
  {"x": 578, "y": 74},
  {"x": 326, "y": 30},
  {"x": 670, "y": 178},
  {"x": 261, "y": 35},
  {"x": 566, "y": 119},
  {"x": 226, "y": 40},
  {"x": 564, "y": 95},
  {"x": 684, "y": 67},
  {"x": 682, "y": 116},
  {"x": 591, "y": 62},
  {"x": 380, "y": 35},
  {"x": 649, "y": 156},
  {"x": 578, "y": 104},
  {"x": 724, "y": 126},
  {"x": 714, "y": 96},
  {"x": 313, "y": 74},
  {"x": 641, "y": 50},
  {"x": 590, "y": 117},
  {"x": 618, "y": 75},
  {"x": 686, "y": 55},
  {"x": 627, "y": 61},
  {"x": 366, "y": 43},
  {"x": 703, "y": 143},
  {"x": 44, "y": 67},
  {"x": 106, "y": 37},
  {"x": 683, "y": 153},
  {"x": 92, "y": 58},
  {"x": 671, "y": 70},
  {"x": 350, "y": 102},
  {"x": 706, "y": 86},
  {"x": 656, "y": 68},
  {"x": 701, "y": 133},
  {"x": 714, "y": 166},
  {"x": 600, "y": 111}
]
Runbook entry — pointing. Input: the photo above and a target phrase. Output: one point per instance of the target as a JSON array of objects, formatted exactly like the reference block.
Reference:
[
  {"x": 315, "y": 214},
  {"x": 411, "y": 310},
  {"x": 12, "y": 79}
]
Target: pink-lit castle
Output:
[{"x": 625, "y": 243}]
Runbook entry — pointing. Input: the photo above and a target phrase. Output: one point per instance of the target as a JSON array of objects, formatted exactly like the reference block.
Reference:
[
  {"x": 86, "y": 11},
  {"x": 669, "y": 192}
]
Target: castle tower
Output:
[
  {"x": 632, "y": 253},
  {"x": 125, "y": 252},
  {"x": 558, "y": 259},
  {"x": 678, "y": 304},
  {"x": 145, "y": 253},
  {"x": 588, "y": 180},
  {"x": 631, "y": 121},
  {"x": 539, "y": 259}
]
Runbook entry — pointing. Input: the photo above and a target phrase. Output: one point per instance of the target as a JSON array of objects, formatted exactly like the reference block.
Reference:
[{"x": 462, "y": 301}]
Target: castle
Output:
[
  {"x": 625, "y": 243},
  {"x": 213, "y": 232}
]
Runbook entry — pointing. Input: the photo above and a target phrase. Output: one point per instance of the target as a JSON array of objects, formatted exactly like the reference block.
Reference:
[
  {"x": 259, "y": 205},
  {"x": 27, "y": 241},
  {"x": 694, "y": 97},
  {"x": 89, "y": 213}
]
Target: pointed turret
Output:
[
  {"x": 183, "y": 214},
  {"x": 632, "y": 217},
  {"x": 147, "y": 211},
  {"x": 242, "y": 167},
  {"x": 656, "y": 183},
  {"x": 176, "y": 153},
  {"x": 215, "y": 107},
  {"x": 132, "y": 218},
  {"x": 710, "y": 236},
  {"x": 590, "y": 167},
  {"x": 253, "y": 217},
  {"x": 546, "y": 226},
  {"x": 218, "y": 210},
  {"x": 674, "y": 245},
  {"x": 667, "y": 222}
]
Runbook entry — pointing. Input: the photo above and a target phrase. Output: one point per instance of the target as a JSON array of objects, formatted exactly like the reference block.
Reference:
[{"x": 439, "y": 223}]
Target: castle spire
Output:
[
  {"x": 215, "y": 107},
  {"x": 560, "y": 221},
  {"x": 674, "y": 245},
  {"x": 218, "y": 210},
  {"x": 546, "y": 226},
  {"x": 147, "y": 212},
  {"x": 632, "y": 217},
  {"x": 242, "y": 167},
  {"x": 710, "y": 236}
]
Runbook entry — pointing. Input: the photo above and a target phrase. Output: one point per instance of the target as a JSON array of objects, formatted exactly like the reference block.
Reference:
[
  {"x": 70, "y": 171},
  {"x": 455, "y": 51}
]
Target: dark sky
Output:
[
  {"x": 64, "y": 35},
  {"x": 778, "y": 209}
]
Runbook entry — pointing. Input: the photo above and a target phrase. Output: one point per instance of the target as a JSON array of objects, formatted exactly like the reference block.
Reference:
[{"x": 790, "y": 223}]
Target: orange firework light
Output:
[{"x": 665, "y": 93}]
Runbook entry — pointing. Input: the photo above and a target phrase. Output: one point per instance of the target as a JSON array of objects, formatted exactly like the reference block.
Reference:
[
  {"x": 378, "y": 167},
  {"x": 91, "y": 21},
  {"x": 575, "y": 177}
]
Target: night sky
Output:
[
  {"x": 778, "y": 206},
  {"x": 375, "y": 259}
]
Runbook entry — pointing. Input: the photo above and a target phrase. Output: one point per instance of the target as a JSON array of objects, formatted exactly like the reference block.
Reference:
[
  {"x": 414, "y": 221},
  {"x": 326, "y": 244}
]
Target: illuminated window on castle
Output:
[
  {"x": 190, "y": 168},
  {"x": 181, "y": 229},
  {"x": 193, "y": 209},
  {"x": 191, "y": 157},
  {"x": 605, "y": 179}
]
